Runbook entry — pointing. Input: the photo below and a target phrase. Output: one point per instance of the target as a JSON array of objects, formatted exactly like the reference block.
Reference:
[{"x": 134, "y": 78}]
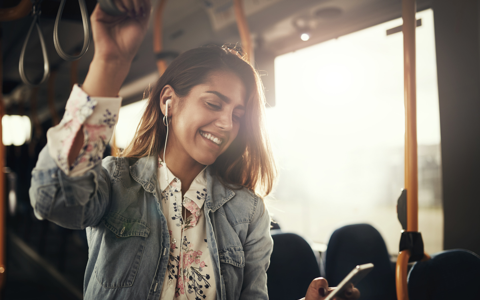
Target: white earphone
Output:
[
  {"x": 165, "y": 121},
  {"x": 165, "y": 117},
  {"x": 167, "y": 104}
]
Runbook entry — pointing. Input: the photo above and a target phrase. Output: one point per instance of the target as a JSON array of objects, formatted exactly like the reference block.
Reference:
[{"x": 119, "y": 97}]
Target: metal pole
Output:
[
  {"x": 2, "y": 175},
  {"x": 411, "y": 165},
  {"x": 411, "y": 177},
  {"x": 243, "y": 30},
  {"x": 157, "y": 35}
]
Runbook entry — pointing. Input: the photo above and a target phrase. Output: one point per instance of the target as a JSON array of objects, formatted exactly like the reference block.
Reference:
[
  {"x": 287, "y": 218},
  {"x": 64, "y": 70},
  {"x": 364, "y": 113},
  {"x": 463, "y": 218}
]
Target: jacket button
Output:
[{"x": 123, "y": 230}]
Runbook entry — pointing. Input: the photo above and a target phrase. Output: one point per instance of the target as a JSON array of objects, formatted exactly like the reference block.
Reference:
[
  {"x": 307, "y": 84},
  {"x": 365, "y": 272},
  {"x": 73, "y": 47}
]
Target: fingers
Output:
[
  {"x": 317, "y": 290},
  {"x": 321, "y": 285},
  {"x": 350, "y": 293},
  {"x": 134, "y": 8}
]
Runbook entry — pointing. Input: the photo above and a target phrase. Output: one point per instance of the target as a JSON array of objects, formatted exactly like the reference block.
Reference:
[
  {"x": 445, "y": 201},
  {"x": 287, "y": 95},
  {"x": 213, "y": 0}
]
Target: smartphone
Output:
[{"x": 354, "y": 277}]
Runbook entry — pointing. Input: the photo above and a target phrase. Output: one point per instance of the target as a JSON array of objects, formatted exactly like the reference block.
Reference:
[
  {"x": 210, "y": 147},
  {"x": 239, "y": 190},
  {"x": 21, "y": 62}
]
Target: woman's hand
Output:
[
  {"x": 319, "y": 290},
  {"x": 117, "y": 39}
]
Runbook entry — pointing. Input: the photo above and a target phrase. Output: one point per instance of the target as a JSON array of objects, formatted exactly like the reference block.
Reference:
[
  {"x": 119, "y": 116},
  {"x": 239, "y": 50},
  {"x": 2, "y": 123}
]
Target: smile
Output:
[{"x": 211, "y": 137}]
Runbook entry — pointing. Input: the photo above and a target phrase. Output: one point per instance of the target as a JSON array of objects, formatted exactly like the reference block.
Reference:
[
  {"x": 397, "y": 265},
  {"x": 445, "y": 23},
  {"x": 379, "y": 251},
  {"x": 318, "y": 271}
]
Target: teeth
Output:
[{"x": 211, "y": 137}]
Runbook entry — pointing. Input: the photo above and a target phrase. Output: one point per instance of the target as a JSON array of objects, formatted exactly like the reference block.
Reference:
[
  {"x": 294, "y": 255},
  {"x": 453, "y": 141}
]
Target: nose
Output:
[{"x": 225, "y": 121}]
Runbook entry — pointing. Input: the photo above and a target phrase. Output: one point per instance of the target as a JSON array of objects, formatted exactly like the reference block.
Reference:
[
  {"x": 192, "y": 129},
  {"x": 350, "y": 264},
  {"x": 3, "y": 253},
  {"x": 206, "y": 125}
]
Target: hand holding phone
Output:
[{"x": 353, "y": 277}]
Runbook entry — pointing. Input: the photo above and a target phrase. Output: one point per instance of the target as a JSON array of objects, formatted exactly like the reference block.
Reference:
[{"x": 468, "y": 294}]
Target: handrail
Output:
[
  {"x": 13, "y": 13},
  {"x": 2, "y": 177},
  {"x": 401, "y": 275},
  {"x": 411, "y": 158},
  {"x": 46, "y": 67},
  {"x": 157, "y": 36},
  {"x": 243, "y": 30},
  {"x": 411, "y": 165},
  {"x": 86, "y": 32}
]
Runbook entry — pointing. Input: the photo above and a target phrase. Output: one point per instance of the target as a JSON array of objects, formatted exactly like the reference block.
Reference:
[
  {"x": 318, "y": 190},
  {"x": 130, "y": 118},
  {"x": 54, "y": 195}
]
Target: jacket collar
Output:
[
  {"x": 217, "y": 193},
  {"x": 144, "y": 171}
]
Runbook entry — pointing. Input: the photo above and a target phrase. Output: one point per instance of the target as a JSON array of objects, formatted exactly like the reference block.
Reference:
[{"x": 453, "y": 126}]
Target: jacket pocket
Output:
[
  {"x": 121, "y": 251},
  {"x": 232, "y": 263},
  {"x": 233, "y": 256}
]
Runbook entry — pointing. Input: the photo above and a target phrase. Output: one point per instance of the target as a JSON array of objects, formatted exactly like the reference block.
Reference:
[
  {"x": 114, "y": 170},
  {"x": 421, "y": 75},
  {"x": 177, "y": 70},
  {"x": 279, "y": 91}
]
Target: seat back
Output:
[
  {"x": 357, "y": 244},
  {"x": 293, "y": 266},
  {"x": 452, "y": 274}
]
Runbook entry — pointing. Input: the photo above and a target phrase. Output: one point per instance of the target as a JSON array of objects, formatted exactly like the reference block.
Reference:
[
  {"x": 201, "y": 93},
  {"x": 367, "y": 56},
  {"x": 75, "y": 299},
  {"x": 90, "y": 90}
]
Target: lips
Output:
[{"x": 211, "y": 137}]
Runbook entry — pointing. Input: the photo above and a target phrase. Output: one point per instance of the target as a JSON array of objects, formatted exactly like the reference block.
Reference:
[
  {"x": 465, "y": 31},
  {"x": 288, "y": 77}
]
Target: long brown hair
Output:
[{"x": 248, "y": 162}]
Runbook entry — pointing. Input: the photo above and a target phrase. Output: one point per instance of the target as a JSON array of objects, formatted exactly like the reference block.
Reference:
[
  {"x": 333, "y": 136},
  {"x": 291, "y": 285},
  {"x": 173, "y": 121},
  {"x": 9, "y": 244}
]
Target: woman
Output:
[{"x": 160, "y": 223}]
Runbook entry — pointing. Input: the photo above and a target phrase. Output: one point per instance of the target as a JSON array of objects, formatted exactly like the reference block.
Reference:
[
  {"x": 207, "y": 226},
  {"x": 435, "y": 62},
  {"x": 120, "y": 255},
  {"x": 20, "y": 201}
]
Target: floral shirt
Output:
[
  {"x": 189, "y": 271},
  {"x": 98, "y": 117}
]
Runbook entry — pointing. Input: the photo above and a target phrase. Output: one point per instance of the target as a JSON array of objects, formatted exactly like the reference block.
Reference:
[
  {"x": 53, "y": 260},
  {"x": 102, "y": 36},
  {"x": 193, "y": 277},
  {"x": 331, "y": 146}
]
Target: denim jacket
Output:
[{"x": 118, "y": 202}]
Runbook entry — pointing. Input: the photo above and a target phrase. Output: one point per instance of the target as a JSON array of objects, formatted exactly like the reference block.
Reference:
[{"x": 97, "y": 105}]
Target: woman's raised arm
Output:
[
  {"x": 70, "y": 184},
  {"x": 116, "y": 39}
]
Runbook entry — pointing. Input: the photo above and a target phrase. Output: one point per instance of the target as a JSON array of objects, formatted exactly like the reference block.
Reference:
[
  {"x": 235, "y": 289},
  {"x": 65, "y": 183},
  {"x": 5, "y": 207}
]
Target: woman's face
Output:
[{"x": 208, "y": 119}]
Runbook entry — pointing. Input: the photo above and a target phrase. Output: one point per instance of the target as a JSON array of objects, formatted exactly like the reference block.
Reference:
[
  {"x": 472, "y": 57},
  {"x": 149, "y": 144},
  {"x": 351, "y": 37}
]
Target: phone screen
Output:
[{"x": 354, "y": 277}]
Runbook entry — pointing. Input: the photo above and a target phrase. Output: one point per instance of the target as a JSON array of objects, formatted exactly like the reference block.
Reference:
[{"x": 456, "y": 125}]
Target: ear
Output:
[{"x": 167, "y": 93}]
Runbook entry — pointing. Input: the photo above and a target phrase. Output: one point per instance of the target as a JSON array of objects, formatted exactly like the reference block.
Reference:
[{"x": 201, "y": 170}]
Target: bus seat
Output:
[
  {"x": 293, "y": 266},
  {"x": 451, "y": 274},
  {"x": 357, "y": 244},
  {"x": 274, "y": 225}
]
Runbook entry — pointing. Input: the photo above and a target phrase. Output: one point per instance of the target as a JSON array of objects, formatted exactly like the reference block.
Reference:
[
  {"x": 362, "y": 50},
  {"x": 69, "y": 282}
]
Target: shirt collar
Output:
[{"x": 197, "y": 191}]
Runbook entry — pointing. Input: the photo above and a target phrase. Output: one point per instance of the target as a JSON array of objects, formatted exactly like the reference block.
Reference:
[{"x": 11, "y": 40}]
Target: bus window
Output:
[
  {"x": 338, "y": 131},
  {"x": 128, "y": 119}
]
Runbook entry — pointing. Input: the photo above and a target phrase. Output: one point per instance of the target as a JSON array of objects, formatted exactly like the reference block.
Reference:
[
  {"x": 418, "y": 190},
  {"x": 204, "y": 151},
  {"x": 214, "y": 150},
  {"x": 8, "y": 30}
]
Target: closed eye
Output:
[
  {"x": 238, "y": 118},
  {"x": 214, "y": 106}
]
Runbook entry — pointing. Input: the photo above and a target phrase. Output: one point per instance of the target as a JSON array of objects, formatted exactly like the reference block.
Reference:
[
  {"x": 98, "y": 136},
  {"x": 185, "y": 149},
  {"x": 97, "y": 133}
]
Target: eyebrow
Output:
[{"x": 225, "y": 98}]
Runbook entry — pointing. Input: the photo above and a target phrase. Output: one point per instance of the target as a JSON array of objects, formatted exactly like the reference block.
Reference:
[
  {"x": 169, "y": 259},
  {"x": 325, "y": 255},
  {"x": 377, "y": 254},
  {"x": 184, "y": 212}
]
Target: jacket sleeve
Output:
[
  {"x": 97, "y": 117},
  {"x": 76, "y": 196},
  {"x": 71, "y": 202},
  {"x": 258, "y": 249}
]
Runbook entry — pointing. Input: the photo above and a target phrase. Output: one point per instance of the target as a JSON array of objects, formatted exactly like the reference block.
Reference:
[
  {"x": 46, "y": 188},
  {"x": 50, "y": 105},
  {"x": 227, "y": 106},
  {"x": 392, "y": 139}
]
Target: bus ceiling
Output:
[{"x": 275, "y": 28}]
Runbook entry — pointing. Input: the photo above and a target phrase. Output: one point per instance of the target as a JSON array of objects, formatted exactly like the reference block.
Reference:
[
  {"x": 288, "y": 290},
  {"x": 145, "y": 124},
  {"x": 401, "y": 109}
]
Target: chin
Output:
[{"x": 206, "y": 160}]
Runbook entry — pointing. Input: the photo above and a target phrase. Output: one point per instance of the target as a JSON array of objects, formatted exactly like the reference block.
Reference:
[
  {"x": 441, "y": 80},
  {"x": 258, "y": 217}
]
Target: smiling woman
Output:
[
  {"x": 180, "y": 214},
  {"x": 200, "y": 217},
  {"x": 215, "y": 92},
  {"x": 197, "y": 227}
]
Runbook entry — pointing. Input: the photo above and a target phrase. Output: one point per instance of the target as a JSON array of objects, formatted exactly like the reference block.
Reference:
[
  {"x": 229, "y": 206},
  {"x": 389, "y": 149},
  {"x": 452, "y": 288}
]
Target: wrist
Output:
[
  {"x": 111, "y": 61},
  {"x": 105, "y": 77}
]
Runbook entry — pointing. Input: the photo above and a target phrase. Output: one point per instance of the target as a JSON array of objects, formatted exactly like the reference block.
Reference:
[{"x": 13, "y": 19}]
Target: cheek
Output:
[
  {"x": 235, "y": 131},
  {"x": 188, "y": 125},
  {"x": 234, "y": 135}
]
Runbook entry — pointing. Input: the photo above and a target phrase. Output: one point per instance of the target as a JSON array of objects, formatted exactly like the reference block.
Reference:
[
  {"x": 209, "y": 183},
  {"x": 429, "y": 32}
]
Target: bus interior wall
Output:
[{"x": 457, "y": 35}]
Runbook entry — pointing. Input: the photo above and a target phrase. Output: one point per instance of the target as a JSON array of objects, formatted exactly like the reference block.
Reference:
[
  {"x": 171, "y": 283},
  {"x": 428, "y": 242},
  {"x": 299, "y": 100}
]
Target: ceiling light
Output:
[{"x": 305, "y": 37}]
